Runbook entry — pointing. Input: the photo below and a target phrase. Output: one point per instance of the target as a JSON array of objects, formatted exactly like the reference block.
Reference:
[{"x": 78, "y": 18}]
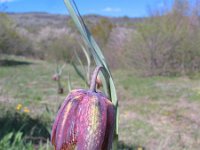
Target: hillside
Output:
[
  {"x": 42, "y": 19},
  {"x": 37, "y": 21},
  {"x": 160, "y": 45},
  {"x": 45, "y": 31}
]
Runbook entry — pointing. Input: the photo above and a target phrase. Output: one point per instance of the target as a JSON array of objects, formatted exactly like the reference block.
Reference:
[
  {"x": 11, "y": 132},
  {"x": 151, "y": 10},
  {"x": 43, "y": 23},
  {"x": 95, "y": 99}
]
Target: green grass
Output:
[{"x": 155, "y": 112}]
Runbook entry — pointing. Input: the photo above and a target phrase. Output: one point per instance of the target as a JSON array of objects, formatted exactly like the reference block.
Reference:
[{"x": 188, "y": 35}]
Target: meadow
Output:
[
  {"x": 156, "y": 113},
  {"x": 154, "y": 61}
]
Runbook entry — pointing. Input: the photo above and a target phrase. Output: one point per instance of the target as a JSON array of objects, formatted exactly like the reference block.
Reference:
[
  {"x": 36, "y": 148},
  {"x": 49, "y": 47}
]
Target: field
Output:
[{"x": 156, "y": 113}]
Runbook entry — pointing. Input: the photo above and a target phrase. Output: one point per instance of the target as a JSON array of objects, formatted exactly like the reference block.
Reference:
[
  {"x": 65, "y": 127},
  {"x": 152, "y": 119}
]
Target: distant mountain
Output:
[
  {"x": 39, "y": 20},
  {"x": 35, "y": 20}
]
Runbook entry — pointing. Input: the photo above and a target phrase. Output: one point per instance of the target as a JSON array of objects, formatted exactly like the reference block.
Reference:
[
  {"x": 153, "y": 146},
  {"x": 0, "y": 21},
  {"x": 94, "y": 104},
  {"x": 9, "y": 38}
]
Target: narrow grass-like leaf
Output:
[
  {"x": 61, "y": 69},
  {"x": 88, "y": 62},
  {"x": 93, "y": 47},
  {"x": 79, "y": 72},
  {"x": 69, "y": 82},
  {"x": 82, "y": 66}
]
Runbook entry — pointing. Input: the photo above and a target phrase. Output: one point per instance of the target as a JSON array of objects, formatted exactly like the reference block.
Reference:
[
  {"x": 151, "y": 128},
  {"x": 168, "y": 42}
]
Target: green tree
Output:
[
  {"x": 100, "y": 28},
  {"x": 166, "y": 44},
  {"x": 101, "y": 31},
  {"x": 11, "y": 42}
]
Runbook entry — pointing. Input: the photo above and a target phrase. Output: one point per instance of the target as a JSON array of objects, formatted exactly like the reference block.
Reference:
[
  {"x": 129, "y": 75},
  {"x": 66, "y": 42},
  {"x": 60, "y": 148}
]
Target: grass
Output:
[
  {"x": 156, "y": 113},
  {"x": 159, "y": 112}
]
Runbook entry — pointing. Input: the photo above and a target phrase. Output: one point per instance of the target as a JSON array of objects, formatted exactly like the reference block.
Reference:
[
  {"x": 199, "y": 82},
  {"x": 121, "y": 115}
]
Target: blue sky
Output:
[{"x": 131, "y": 8}]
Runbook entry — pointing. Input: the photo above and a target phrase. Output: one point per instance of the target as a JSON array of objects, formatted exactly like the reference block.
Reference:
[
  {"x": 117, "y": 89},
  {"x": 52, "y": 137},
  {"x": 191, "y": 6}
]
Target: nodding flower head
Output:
[
  {"x": 55, "y": 77},
  {"x": 85, "y": 121}
]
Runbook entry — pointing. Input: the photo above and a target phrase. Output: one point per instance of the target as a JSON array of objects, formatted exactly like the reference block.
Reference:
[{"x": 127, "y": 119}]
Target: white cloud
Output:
[
  {"x": 110, "y": 9},
  {"x": 3, "y": 1}
]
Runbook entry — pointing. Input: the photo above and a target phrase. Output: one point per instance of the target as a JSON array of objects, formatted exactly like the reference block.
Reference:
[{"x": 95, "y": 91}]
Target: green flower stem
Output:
[{"x": 94, "y": 77}]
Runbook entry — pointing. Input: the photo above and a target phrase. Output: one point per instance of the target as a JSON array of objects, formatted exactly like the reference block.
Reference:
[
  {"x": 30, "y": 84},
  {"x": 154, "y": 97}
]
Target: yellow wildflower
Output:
[
  {"x": 18, "y": 107},
  {"x": 26, "y": 110},
  {"x": 139, "y": 148}
]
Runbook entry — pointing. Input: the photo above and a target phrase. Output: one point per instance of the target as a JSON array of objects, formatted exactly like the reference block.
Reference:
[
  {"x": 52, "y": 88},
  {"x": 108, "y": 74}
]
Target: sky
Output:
[{"x": 113, "y": 8}]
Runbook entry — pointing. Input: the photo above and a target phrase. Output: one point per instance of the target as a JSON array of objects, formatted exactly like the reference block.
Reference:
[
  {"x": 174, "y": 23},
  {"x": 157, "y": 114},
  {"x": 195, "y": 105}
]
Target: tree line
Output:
[{"x": 168, "y": 42}]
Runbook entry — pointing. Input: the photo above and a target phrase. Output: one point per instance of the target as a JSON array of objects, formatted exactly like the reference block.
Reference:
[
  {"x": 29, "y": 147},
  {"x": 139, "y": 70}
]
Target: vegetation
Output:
[
  {"x": 167, "y": 43},
  {"x": 155, "y": 63},
  {"x": 11, "y": 41},
  {"x": 152, "y": 109}
]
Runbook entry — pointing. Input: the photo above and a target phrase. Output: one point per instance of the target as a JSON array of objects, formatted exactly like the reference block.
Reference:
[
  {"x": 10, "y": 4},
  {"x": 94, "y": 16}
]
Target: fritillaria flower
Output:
[{"x": 85, "y": 120}]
